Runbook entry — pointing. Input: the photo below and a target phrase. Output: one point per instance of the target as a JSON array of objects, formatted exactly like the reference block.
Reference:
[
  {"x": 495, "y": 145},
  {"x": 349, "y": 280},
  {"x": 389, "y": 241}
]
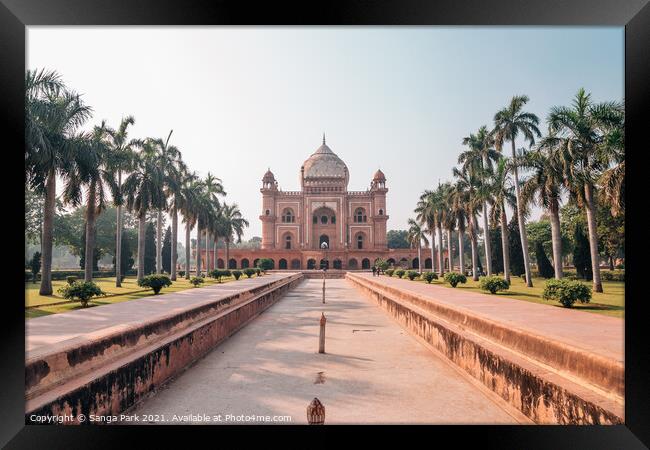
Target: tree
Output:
[
  {"x": 52, "y": 116},
  {"x": 458, "y": 209},
  {"x": 234, "y": 224},
  {"x": 479, "y": 158},
  {"x": 150, "y": 250},
  {"x": 580, "y": 131},
  {"x": 33, "y": 216},
  {"x": 544, "y": 266},
  {"x": 466, "y": 187},
  {"x": 397, "y": 239},
  {"x": 509, "y": 123},
  {"x": 517, "y": 264},
  {"x": 582, "y": 254},
  {"x": 187, "y": 205},
  {"x": 144, "y": 192},
  {"x": 415, "y": 238},
  {"x": 611, "y": 233},
  {"x": 167, "y": 250},
  {"x": 544, "y": 187},
  {"x": 35, "y": 265},
  {"x": 502, "y": 194},
  {"x": 122, "y": 151},
  {"x": 167, "y": 160},
  {"x": 129, "y": 244}
]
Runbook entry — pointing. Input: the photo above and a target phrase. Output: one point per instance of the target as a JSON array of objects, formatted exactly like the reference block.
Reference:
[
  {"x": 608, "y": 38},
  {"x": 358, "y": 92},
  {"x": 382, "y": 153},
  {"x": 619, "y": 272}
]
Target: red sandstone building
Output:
[{"x": 296, "y": 224}]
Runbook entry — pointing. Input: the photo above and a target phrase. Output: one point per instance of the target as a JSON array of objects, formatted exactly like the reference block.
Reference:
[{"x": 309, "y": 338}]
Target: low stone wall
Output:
[
  {"x": 543, "y": 394},
  {"x": 108, "y": 373}
]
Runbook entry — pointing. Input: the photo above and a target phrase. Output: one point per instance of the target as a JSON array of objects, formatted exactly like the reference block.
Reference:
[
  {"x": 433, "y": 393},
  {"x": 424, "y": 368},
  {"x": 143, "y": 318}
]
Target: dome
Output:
[
  {"x": 324, "y": 163},
  {"x": 379, "y": 176},
  {"x": 268, "y": 176}
]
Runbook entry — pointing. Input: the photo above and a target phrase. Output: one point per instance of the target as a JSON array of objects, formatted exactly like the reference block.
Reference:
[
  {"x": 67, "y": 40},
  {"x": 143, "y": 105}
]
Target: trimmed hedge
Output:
[
  {"x": 249, "y": 272},
  {"x": 412, "y": 274},
  {"x": 453, "y": 278},
  {"x": 236, "y": 274},
  {"x": 389, "y": 272},
  {"x": 429, "y": 276},
  {"x": 566, "y": 292},
  {"x": 196, "y": 281},
  {"x": 155, "y": 282},
  {"x": 400, "y": 273},
  {"x": 493, "y": 284},
  {"x": 82, "y": 291}
]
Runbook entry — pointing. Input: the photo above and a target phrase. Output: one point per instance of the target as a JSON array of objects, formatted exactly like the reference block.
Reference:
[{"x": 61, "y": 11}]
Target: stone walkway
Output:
[
  {"x": 55, "y": 328},
  {"x": 373, "y": 371},
  {"x": 594, "y": 333}
]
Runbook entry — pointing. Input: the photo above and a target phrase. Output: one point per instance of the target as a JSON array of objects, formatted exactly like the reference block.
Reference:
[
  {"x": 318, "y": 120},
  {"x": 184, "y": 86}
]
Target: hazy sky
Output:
[{"x": 242, "y": 99}]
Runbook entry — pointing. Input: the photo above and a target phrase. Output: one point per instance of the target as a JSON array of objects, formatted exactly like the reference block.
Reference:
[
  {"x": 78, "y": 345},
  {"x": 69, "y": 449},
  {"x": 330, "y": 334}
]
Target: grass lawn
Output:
[
  {"x": 610, "y": 303},
  {"x": 129, "y": 291}
]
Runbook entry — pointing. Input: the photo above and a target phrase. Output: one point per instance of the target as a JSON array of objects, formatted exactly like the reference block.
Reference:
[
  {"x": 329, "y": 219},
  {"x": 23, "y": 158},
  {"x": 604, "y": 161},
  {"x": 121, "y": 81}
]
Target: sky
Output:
[{"x": 244, "y": 99}]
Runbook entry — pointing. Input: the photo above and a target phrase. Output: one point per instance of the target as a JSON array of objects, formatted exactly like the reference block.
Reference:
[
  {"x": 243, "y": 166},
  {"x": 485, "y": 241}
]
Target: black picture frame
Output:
[{"x": 15, "y": 15}]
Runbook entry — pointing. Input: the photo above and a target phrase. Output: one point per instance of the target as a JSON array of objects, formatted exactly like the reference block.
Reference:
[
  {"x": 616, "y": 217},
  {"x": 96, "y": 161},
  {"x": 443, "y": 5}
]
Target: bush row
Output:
[{"x": 58, "y": 275}]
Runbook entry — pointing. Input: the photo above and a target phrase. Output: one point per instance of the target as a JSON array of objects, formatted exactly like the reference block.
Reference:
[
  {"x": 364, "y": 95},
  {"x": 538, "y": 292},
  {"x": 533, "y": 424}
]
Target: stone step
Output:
[{"x": 548, "y": 380}]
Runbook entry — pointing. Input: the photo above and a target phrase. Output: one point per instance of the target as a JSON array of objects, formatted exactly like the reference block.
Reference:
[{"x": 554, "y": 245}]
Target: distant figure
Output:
[{"x": 374, "y": 271}]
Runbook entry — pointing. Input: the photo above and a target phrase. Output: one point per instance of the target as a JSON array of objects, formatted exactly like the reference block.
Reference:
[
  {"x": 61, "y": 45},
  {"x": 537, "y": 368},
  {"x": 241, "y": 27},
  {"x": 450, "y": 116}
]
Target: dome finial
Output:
[{"x": 323, "y": 138}]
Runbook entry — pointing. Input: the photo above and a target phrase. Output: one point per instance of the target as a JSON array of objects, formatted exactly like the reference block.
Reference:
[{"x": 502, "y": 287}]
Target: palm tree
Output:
[
  {"x": 121, "y": 151},
  {"x": 502, "y": 193},
  {"x": 581, "y": 131},
  {"x": 612, "y": 180},
  {"x": 167, "y": 158},
  {"x": 144, "y": 192},
  {"x": 458, "y": 210},
  {"x": 448, "y": 219},
  {"x": 479, "y": 158},
  {"x": 187, "y": 205},
  {"x": 466, "y": 189},
  {"x": 415, "y": 237},
  {"x": 93, "y": 170},
  {"x": 233, "y": 224},
  {"x": 509, "y": 123},
  {"x": 214, "y": 189},
  {"x": 544, "y": 188},
  {"x": 427, "y": 217},
  {"x": 53, "y": 114},
  {"x": 177, "y": 171}
]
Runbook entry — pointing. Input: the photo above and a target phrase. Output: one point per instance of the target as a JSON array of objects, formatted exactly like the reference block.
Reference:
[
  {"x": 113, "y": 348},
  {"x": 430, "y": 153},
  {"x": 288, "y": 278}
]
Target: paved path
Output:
[
  {"x": 594, "y": 333},
  {"x": 55, "y": 328},
  {"x": 373, "y": 371}
]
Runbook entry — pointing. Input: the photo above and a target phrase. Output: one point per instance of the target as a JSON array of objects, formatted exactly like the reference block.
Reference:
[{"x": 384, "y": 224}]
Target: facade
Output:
[{"x": 322, "y": 224}]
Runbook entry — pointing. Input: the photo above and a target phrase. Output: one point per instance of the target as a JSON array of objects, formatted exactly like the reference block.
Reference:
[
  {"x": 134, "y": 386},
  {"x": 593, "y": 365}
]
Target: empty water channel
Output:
[{"x": 372, "y": 371}]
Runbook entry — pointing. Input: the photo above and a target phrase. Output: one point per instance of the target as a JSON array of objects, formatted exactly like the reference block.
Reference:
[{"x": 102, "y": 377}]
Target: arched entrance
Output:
[
  {"x": 337, "y": 264},
  {"x": 311, "y": 264},
  {"x": 295, "y": 264},
  {"x": 282, "y": 264},
  {"x": 353, "y": 264},
  {"x": 365, "y": 263},
  {"x": 244, "y": 263},
  {"x": 232, "y": 263},
  {"x": 324, "y": 264},
  {"x": 323, "y": 239}
]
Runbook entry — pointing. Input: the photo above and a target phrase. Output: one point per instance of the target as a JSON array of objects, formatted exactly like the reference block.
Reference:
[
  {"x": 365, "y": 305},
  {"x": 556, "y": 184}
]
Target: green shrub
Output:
[
  {"x": 82, "y": 291},
  {"x": 155, "y": 282},
  {"x": 181, "y": 273},
  {"x": 265, "y": 264},
  {"x": 236, "y": 274},
  {"x": 249, "y": 272},
  {"x": 400, "y": 273},
  {"x": 258, "y": 271},
  {"x": 616, "y": 275},
  {"x": 429, "y": 276},
  {"x": 382, "y": 265},
  {"x": 71, "y": 279},
  {"x": 412, "y": 274},
  {"x": 566, "y": 292},
  {"x": 35, "y": 265},
  {"x": 493, "y": 284},
  {"x": 196, "y": 281},
  {"x": 389, "y": 272},
  {"x": 217, "y": 274},
  {"x": 454, "y": 278}
]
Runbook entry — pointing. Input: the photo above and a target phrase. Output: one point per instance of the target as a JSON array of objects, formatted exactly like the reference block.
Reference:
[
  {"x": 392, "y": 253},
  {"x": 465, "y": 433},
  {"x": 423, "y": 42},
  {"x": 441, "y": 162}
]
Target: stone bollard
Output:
[
  {"x": 321, "y": 337},
  {"x": 315, "y": 412}
]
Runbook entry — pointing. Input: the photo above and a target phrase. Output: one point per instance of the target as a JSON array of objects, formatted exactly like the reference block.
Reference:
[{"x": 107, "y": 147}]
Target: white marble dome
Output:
[{"x": 324, "y": 163}]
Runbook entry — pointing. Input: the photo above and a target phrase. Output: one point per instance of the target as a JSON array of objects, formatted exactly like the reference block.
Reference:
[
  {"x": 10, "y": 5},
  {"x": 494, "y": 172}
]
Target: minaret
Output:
[
  {"x": 380, "y": 217},
  {"x": 268, "y": 190}
]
